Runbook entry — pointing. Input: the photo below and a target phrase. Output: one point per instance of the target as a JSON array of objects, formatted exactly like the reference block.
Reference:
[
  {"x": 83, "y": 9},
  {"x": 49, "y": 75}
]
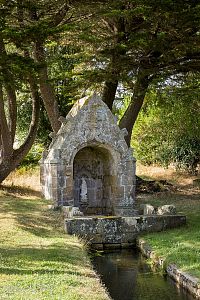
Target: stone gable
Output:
[{"x": 89, "y": 158}]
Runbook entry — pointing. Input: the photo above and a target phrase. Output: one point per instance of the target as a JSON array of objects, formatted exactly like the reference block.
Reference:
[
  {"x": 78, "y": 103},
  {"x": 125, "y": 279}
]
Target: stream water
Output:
[{"x": 127, "y": 276}]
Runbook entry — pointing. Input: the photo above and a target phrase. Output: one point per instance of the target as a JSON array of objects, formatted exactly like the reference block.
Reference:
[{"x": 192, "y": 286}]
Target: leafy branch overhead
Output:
[{"x": 53, "y": 52}]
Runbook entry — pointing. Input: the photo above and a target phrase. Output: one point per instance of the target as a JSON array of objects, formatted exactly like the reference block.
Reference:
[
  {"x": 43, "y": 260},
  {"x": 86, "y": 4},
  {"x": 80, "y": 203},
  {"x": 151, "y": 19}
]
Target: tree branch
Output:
[
  {"x": 25, "y": 147},
  {"x": 59, "y": 16},
  {"x": 12, "y": 107},
  {"x": 6, "y": 139},
  {"x": 10, "y": 90},
  {"x": 47, "y": 91},
  {"x": 131, "y": 114}
]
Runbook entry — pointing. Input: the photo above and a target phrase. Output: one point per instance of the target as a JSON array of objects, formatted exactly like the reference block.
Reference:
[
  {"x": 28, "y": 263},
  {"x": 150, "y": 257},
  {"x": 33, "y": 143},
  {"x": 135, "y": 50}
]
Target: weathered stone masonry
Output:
[
  {"x": 89, "y": 171},
  {"x": 119, "y": 232},
  {"x": 88, "y": 164}
]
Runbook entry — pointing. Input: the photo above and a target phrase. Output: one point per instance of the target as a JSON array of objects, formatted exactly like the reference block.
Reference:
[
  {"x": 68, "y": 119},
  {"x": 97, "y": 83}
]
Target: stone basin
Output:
[{"x": 103, "y": 232}]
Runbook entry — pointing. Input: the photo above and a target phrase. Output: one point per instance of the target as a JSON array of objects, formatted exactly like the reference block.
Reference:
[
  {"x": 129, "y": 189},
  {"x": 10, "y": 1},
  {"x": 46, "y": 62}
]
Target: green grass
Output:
[
  {"x": 180, "y": 246},
  {"x": 37, "y": 259}
]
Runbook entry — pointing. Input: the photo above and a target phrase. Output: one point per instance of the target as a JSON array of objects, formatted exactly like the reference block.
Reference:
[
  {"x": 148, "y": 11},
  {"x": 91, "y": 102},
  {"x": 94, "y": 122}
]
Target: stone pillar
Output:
[
  {"x": 53, "y": 180},
  {"x": 42, "y": 171},
  {"x": 68, "y": 188},
  {"x": 125, "y": 196}
]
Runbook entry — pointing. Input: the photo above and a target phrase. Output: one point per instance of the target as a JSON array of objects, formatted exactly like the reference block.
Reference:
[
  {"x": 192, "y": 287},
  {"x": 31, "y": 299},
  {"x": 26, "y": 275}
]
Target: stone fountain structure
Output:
[
  {"x": 89, "y": 172},
  {"x": 88, "y": 164}
]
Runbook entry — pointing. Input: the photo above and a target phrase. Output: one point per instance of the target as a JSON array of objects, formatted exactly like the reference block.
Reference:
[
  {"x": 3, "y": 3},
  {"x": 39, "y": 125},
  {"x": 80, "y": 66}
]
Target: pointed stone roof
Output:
[{"x": 89, "y": 122}]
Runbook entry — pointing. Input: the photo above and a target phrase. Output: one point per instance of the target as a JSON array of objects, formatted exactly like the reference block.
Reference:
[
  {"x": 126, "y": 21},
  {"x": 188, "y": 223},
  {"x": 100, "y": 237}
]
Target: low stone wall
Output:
[
  {"x": 119, "y": 232},
  {"x": 190, "y": 283}
]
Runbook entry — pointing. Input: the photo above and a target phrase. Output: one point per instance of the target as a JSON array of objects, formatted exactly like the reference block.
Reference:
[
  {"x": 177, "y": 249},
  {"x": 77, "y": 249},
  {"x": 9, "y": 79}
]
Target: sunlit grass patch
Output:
[
  {"x": 37, "y": 259},
  {"x": 161, "y": 173},
  {"x": 182, "y": 245},
  {"x": 22, "y": 180}
]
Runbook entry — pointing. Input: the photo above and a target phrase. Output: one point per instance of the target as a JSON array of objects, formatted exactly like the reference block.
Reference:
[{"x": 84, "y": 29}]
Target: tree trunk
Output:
[
  {"x": 130, "y": 115},
  {"x": 115, "y": 66},
  {"x": 12, "y": 160},
  {"x": 109, "y": 92},
  {"x": 10, "y": 90},
  {"x": 6, "y": 139},
  {"x": 23, "y": 150},
  {"x": 12, "y": 107},
  {"x": 46, "y": 89}
]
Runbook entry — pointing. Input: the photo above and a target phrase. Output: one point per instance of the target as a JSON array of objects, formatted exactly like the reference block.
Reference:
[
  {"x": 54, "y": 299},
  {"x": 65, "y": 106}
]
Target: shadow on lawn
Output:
[
  {"x": 52, "y": 260},
  {"x": 51, "y": 253},
  {"x": 14, "y": 189},
  {"x": 32, "y": 215}
]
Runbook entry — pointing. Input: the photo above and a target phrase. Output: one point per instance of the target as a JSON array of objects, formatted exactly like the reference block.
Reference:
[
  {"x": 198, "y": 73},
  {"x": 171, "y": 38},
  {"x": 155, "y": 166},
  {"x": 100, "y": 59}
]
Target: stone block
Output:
[
  {"x": 71, "y": 211},
  {"x": 173, "y": 221},
  {"x": 55, "y": 153},
  {"x": 53, "y": 171},
  {"x": 132, "y": 239},
  {"x": 69, "y": 181},
  {"x": 111, "y": 230},
  {"x": 69, "y": 227},
  {"x": 148, "y": 209},
  {"x": 151, "y": 224},
  {"x": 127, "y": 245},
  {"x": 129, "y": 225},
  {"x": 68, "y": 170},
  {"x": 112, "y": 246},
  {"x": 69, "y": 193},
  {"x": 166, "y": 210},
  {"x": 128, "y": 237},
  {"x": 54, "y": 183},
  {"x": 97, "y": 246},
  {"x": 61, "y": 182},
  {"x": 97, "y": 239},
  {"x": 124, "y": 179},
  {"x": 128, "y": 211},
  {"x": 55, "y": 193},
  {"x": 185, "y": 280}
]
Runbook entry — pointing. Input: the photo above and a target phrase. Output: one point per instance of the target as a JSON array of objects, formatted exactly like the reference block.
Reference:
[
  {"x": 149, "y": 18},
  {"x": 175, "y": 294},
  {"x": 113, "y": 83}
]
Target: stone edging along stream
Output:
[{"x": 190, "y": 283}]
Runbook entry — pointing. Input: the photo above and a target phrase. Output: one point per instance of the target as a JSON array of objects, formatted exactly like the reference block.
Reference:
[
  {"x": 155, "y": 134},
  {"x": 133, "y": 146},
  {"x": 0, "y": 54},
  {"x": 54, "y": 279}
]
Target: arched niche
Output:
[{"x": 94, "y": 180}]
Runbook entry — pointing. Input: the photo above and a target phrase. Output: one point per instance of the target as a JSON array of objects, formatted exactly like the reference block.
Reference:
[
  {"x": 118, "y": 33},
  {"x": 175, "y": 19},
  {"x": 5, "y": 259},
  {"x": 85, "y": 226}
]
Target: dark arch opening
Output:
[{"x": 93, "y": 181}]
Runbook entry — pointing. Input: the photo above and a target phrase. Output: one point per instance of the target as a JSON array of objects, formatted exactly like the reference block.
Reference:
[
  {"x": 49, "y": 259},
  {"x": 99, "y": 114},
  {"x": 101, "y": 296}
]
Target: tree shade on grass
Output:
[{"x": 37, "y": 259}]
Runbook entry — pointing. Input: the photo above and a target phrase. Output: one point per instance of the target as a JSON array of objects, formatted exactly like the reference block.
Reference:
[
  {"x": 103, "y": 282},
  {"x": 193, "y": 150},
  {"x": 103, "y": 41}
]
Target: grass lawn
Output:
[
  {"x": 180, "y": 246},
  {"x": 37, "y": 259}
]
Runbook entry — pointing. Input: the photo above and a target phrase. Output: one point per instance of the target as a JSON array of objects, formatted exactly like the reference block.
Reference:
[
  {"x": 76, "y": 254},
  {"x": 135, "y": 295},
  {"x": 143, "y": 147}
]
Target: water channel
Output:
[{"x": 127, "y": 276}]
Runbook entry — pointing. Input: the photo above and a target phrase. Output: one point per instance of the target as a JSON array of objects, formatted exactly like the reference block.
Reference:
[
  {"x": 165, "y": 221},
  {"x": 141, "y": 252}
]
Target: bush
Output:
[
  {"x": 33, "y": 157},
  {"x": 167, "y": 129}
]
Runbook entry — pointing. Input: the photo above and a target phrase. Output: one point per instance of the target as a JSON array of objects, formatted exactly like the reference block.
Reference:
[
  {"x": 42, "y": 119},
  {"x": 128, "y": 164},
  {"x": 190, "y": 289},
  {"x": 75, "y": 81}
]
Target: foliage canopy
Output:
[{"x": 52, "y": 52}]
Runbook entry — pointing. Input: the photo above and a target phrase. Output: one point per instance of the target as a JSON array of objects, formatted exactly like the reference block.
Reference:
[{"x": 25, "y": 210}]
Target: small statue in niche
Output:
[{"x": 83, "y": 194}]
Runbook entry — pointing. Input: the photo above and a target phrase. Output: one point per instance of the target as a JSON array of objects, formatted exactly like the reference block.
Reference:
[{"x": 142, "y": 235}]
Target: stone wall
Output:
[
  {"x": 119, "y": 232},
  {"x": 190, "y": 283}
]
